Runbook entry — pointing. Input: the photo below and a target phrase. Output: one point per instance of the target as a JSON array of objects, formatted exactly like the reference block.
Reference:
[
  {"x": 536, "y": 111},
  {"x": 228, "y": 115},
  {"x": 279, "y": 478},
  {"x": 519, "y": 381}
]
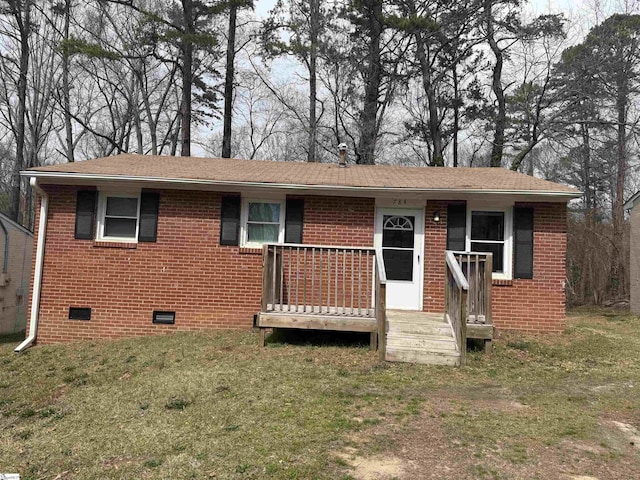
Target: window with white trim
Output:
[
  {"x": 118, "y": 216},
  {"x": 262, "y": 222},
  {"x": 489, "y": 230}
]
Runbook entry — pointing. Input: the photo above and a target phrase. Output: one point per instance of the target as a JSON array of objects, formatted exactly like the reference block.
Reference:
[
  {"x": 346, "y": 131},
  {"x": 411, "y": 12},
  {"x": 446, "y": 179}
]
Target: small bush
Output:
[
  {"x": 27, "y": 413},
  {"x": 177, "y": 403},
  {"x": 153, "y": 463},
  {"x": 520, "y": 345}
]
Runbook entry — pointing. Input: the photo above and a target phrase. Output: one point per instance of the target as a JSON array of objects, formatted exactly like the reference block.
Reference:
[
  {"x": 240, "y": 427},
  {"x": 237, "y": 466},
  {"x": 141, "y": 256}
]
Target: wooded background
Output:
[{"x": 412, "y": 82}]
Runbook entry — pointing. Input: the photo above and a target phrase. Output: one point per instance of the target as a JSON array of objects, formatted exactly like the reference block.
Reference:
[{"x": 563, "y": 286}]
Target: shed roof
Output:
[{"x": 302, "y": 175}]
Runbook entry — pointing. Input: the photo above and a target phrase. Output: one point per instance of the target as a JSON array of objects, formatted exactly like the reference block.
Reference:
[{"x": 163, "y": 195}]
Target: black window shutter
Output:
[
  {"x": 230, "y": 220},
  {"x": 294, "y": 220},
  {"x": 148, "y": 229},
  {"x": 523, "y": 233},
  {"x": 85, "y": 213},
  {"x": 456, "y": 227}
]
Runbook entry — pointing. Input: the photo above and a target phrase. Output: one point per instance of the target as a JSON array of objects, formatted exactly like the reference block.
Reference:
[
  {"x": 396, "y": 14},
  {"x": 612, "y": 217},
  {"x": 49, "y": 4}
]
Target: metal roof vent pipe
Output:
[{"x": 342, "y": 148}]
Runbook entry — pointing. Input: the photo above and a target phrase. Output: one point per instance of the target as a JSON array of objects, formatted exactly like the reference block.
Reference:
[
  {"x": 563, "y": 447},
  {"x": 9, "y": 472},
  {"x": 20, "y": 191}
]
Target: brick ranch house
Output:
[{"x": 139, "y": 245}]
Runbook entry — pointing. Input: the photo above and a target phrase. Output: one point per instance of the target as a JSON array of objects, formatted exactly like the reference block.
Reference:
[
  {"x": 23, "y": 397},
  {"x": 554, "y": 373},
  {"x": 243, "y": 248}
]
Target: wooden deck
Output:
[
  {"x": 314, "y": 287},
  {"x": 338, "y": 320}
]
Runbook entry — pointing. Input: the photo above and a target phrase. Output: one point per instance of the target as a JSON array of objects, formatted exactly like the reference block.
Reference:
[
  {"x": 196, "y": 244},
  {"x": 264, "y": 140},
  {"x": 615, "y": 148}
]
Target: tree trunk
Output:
[
  {"x": 151, "y": 121},
  {"x": 313, "y": 57},
  {"x": 456, "y": 113},
  {"x": 586, "y": 171},
  {"x": 137, "y": 120},
  {"x": 229, "y": 79},
  {"x": 66, "y": 98},
  {"x": 23, "y": 19},
  {"x": 187, "y": 76},
  {"x": 432, "y": 105},
  {"x": 496, "y": 85},
  {"x": 622, "y": 100},
  {"x": 373, "y": 76}
]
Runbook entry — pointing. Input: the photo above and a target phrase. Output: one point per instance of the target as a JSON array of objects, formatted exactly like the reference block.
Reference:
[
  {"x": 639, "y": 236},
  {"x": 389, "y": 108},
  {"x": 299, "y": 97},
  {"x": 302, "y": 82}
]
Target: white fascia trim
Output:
[{"x": 289, "y": 186}]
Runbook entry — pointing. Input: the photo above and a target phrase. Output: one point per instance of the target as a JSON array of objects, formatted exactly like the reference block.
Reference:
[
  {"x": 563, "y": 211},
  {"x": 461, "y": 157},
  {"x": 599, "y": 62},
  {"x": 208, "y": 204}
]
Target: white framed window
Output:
[
  {"x": 118, "y": 216},
  {"x": 491, "y": 230},
  {"x": 262, "y": 222}
]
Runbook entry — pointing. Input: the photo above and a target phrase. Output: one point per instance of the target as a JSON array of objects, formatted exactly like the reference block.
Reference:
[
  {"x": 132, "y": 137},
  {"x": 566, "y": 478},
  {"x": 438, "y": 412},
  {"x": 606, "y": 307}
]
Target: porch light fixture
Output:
[{"x": 436, "y": 216}]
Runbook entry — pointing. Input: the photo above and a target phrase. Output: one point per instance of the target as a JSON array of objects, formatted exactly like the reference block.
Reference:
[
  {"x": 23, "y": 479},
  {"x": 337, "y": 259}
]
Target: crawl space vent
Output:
[
  {"x": 79, "y": 313},
  {"x": 164, "y": 318}
]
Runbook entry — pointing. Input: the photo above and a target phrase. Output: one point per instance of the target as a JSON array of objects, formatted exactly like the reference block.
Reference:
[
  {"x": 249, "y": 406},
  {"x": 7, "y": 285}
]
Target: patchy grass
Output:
[{"x": 217, "y": 406}]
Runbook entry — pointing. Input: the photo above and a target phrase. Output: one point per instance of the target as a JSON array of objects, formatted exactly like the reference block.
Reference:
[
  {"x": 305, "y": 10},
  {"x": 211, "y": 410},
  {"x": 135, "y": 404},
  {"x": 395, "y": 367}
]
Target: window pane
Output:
[
  {"x": 122, "y": 206},
  {"x": 487, "y": 226},
  {"x": 397, "y": 231},
  {"x": 120, "y": 227},
  {"x": 398, "y": 264},
  {"x": 397, "y": 238},
  {"x": 264, "y": 212},
  {"x": 261, "y": 233},
  {"x": 498, "y": 253}
]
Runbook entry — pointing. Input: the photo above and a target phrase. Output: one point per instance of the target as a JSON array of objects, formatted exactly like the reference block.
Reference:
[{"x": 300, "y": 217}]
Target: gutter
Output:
[
  {"x": 92, "y": 177},
  {"x": 37, "y": 275}
]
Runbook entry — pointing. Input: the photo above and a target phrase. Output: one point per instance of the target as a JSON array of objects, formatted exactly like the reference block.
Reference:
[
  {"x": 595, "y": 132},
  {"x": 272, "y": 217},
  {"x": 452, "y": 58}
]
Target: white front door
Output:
[{"x": 400, "y": 234}]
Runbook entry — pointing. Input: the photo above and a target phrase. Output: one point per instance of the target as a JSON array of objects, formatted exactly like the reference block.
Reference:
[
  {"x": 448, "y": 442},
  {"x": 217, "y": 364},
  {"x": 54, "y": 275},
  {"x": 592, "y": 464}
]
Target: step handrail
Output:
[{"x": 456, "y": 291}]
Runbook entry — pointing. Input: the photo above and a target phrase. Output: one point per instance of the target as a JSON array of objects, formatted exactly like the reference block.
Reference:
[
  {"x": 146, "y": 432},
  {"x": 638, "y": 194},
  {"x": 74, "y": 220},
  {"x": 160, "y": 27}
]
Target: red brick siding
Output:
[
  {"x": 536, "y": 305},
  {"x": 435, "y": 243},
  {"x": 186, "y": 270},
  {"x": 339, "y": 221},
  {"x": 219, "y": 287}
]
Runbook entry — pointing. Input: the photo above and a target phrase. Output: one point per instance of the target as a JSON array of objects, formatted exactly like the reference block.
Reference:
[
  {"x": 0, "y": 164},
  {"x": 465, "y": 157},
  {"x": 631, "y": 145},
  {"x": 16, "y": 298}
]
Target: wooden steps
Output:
[{"x": 419, "y": 337}]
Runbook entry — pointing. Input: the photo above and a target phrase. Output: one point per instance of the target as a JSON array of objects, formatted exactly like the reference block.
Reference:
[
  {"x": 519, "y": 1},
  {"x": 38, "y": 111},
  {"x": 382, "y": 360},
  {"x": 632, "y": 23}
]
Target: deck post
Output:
[
  {"x": 373, "y": 341},
  {"x": 382, "y": 322},
  {"x": 262, "y": 338},
  {"x": 265, "y": 277},
  {"x": 488, "y": 280}
]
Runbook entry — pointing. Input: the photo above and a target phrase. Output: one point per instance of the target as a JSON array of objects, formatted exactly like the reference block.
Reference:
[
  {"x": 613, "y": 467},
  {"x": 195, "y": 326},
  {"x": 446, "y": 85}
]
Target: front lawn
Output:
[{"x": 217, "y": 406}]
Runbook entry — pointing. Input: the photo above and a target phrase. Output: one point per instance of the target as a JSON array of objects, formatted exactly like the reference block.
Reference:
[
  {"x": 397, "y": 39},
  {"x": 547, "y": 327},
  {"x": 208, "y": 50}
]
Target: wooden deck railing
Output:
[
  {"x": 315, "y": 279},
  {"x": 455, "y": 302},
  {"x": 325, "y": 280},
  {"x": 477, "y": 268}
]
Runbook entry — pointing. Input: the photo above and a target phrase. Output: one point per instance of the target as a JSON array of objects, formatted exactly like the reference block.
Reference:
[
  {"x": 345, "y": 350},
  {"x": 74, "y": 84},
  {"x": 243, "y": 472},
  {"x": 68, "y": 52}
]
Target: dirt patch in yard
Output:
[
  {"x": 630, "y": 433},
  {"x": 421, "y": 447},
  {"x": 376, "y": 467}
]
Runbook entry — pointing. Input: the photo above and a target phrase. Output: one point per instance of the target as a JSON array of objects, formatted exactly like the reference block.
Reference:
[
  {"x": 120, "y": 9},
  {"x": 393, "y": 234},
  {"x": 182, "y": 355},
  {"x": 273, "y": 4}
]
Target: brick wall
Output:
[
  {"x": 219, "y": 287},
  {"x": 208, "y": 286},
  {"x": 535, "y": 305},
  {"x": 538, "y": 305}
]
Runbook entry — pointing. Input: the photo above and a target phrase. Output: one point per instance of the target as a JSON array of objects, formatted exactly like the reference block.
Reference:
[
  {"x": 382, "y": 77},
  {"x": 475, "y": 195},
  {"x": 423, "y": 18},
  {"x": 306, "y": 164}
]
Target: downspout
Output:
[
  {"x": 5, "y": 261},
  {"x": 37, "y": 275}
]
